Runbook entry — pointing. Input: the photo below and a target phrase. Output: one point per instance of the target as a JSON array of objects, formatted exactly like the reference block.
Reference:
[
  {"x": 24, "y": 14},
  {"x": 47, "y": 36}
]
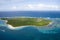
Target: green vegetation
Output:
[{"x": 27, "y": 21}]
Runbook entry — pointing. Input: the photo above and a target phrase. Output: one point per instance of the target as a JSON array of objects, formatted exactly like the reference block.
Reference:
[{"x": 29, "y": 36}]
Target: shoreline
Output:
[{"x": 20, "y": 27}]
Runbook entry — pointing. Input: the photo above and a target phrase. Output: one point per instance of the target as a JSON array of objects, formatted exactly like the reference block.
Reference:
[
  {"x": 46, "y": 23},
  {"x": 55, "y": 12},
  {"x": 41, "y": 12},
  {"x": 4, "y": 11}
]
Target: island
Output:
[{"x": 15, "y": 22}]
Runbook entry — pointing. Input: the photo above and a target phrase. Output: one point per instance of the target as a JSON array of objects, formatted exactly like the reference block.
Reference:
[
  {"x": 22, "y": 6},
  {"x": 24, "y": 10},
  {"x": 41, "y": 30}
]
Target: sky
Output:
[{"x": 27, "y": 5}]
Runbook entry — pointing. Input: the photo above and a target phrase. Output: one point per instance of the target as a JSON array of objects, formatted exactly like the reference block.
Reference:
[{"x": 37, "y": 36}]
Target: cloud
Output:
[
  {"x": 42, "y": 7},
  {"x": 14, "y": 8},
  {"x": 31, "y": 7}
]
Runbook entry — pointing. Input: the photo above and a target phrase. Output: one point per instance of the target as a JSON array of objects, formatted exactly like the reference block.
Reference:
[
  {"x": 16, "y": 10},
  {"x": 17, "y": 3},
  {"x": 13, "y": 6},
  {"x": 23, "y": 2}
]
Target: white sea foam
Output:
[{"x": 3, "y": 30}]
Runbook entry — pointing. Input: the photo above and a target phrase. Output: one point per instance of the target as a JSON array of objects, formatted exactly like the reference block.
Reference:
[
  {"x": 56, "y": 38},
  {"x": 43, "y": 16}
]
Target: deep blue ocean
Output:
[
  {"x": 28, "y": 33},
  {"x": 52, "y": 14}
]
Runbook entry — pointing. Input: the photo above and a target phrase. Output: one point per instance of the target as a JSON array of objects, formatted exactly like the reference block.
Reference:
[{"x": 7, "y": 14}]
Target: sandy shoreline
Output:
[
  {"x": 20, "y": 27},
  {"x": 11, "y": 27}
]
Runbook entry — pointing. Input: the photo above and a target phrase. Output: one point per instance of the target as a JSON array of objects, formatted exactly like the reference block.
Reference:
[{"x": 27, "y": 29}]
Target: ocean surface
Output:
[
  {"x": 51, "y": 32},
  {"x": 52, "y": 14}
]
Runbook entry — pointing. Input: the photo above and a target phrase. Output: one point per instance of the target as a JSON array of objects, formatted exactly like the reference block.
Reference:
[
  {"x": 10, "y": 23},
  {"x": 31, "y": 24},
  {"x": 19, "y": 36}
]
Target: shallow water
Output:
[{"x": 51, "y": 32}]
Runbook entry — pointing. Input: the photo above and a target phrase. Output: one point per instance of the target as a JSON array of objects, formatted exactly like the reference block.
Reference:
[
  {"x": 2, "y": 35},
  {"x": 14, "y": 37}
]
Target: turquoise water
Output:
[
  {"x": 2, "y": 23},
  {"x": 31, "y": 33}
]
